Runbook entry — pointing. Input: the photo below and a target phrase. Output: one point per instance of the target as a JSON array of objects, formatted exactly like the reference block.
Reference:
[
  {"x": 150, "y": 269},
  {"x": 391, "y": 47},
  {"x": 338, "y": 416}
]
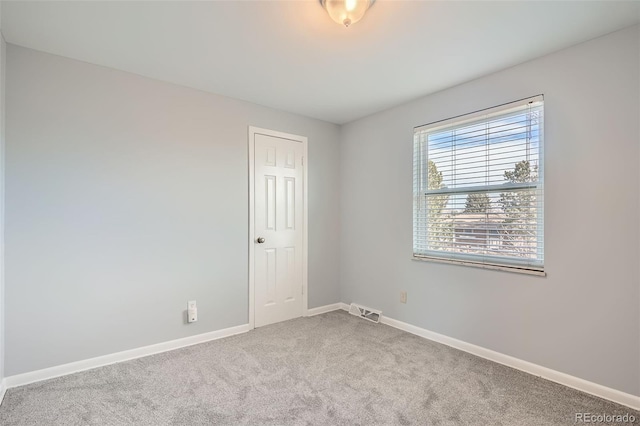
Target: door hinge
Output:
[{"x": 302, "y": 162}]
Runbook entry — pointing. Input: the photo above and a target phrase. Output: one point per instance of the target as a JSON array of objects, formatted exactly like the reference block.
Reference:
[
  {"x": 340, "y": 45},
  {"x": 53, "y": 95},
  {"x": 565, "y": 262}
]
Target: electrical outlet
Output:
[
  {"x": 403, "y": 297},
  {"x": 192, "y": 311}
]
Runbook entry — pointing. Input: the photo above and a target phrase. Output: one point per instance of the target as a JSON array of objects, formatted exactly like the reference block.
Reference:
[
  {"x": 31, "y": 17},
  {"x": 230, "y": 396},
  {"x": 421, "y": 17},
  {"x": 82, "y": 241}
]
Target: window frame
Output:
[{"x": 503, "y": 263}]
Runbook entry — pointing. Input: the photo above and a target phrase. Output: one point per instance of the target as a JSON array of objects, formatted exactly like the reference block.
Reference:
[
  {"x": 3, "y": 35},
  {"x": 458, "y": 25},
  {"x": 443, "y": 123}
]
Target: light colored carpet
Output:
[{"x": 331, "y": 369}]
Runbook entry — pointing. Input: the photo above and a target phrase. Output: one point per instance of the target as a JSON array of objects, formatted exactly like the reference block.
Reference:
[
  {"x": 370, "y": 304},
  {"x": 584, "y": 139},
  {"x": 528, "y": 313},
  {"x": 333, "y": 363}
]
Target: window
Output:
[{"x": 478, "y": 188}]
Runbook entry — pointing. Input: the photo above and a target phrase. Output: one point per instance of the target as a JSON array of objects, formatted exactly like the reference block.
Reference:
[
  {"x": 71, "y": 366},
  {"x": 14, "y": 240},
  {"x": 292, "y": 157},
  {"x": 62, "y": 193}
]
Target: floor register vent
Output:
[{"x": 369, "y": 314}]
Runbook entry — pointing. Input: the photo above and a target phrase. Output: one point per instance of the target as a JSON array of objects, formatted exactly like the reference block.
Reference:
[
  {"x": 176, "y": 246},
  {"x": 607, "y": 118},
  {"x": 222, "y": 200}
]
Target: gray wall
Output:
[
  {"x": 126, "y": 197},
  {"x": 583, "y": 318},
  {"x": 3, "y": 47}
]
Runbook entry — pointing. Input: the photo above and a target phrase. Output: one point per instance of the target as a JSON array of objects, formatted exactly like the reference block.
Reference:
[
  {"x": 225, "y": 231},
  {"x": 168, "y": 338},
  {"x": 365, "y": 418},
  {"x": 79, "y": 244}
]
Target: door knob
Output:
[{"x": 260, "y": 240}]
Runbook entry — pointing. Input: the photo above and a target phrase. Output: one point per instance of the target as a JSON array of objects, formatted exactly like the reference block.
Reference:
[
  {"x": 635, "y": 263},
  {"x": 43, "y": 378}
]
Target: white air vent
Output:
[{"x": 372, "y": 315}]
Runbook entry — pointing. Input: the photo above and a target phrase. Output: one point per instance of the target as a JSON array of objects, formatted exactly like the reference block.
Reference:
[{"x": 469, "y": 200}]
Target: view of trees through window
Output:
[{"x": 479, "y": 189}]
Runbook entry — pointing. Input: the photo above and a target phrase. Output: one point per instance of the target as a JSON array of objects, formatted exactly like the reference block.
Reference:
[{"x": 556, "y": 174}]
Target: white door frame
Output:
[{"x": 305, "y": 232}]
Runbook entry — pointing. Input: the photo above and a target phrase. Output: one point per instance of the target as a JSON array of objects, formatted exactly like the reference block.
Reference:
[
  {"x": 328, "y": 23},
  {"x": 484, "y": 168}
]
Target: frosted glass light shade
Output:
[{"x": 346, "y": 12}]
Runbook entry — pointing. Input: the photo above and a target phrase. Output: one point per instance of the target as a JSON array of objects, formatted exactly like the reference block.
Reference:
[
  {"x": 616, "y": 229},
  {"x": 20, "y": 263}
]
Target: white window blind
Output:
[{"x": 478, "y": 188}]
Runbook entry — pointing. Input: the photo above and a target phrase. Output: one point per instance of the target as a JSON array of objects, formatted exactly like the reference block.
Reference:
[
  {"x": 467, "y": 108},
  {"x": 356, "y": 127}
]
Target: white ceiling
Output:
[{"x": 289, "y": 54}]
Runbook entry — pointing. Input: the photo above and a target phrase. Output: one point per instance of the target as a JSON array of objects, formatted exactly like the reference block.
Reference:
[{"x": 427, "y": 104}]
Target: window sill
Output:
[{"x": 512, "y": 269}]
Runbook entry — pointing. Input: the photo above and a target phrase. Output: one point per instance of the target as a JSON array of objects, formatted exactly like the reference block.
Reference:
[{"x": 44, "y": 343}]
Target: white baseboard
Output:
[
  {"x": 3, "y": 389},
  {"x": 586, "y": 386},
  {"x": 326, "y": 308},
  {"x": 75, "y": 367},
  {"x": 87, "y": 364}
]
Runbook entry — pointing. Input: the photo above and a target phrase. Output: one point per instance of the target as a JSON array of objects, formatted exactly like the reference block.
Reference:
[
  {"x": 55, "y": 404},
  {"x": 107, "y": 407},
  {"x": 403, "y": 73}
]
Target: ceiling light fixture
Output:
[{"x": 346, "y": 12}]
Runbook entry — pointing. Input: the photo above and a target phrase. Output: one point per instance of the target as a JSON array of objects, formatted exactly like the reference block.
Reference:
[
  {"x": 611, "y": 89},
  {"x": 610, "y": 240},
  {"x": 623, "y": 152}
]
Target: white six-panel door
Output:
[{"x": 278, "y": 227}]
